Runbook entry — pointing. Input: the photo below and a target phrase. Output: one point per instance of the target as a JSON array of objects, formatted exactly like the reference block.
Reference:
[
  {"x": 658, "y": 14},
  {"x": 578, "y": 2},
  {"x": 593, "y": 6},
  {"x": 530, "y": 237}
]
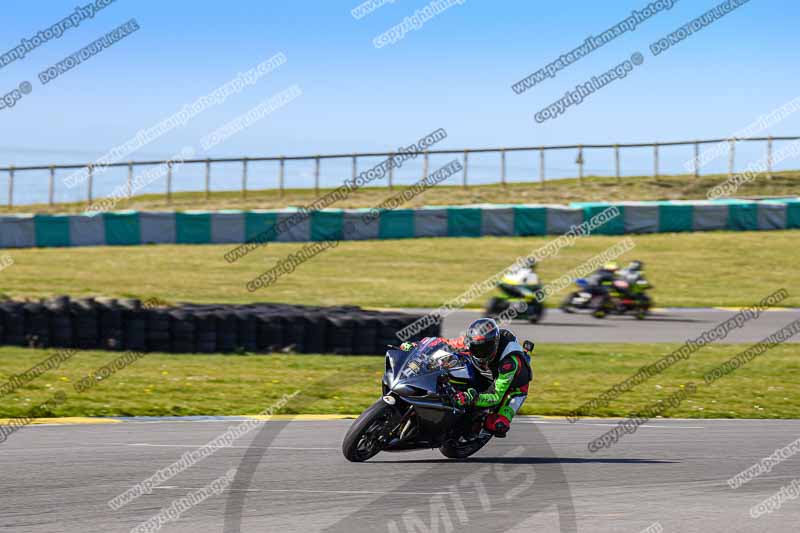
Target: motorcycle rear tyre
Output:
[
  {"x": 535, "y": 312},
  {"x": 452, "y": 451},
  {"x": 495, "y": 306}
]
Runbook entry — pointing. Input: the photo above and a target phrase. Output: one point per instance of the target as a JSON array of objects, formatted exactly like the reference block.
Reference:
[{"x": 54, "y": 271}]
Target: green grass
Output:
[
  {"x": 691, "y": 269},
  {"x": 562, "y": 191},
  {"x": 565, "y": 377}
]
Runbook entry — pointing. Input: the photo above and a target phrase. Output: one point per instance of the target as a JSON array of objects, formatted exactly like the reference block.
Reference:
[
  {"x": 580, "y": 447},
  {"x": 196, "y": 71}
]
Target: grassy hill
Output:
[{"x": 592, "y": 188}]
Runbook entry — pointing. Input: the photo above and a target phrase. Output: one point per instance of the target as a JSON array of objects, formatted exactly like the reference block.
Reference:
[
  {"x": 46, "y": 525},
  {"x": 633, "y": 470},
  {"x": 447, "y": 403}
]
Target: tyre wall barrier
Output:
[
  {"x": 129, "y": 324},
  {"x": 232, "y": 227}
]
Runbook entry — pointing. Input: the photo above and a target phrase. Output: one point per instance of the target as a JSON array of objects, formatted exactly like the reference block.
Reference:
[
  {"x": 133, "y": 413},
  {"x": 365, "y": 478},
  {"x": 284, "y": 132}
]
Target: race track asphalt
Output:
[
  {"x": 292, "y": 477},
  {"x": 667, "y": 325}
]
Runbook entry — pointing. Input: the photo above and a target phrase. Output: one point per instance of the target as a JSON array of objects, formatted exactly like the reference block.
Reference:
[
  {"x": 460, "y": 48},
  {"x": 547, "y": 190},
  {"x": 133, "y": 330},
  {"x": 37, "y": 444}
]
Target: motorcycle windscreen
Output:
[{"x": 420, "y": 370}]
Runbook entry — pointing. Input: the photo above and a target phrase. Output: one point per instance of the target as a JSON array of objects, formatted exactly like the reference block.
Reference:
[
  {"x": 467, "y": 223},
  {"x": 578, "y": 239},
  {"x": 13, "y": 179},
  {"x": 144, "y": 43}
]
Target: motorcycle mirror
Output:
[{"x": 528, "y": 346}]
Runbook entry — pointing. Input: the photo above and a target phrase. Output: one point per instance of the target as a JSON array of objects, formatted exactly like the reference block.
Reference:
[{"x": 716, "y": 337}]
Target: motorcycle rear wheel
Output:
[
  {"x": 495, "y": 306},
  {"x": 535, "y": 312},
  {"x": 362, "y": 439},
  {"x": 453, "y": 450}
]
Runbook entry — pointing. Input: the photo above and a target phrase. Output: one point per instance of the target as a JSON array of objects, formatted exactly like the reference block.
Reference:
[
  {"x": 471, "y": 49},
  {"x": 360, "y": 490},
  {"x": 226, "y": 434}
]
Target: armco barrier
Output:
[
  {"x": 233, "y": 227},
  {"x": 128, "y": 324}
]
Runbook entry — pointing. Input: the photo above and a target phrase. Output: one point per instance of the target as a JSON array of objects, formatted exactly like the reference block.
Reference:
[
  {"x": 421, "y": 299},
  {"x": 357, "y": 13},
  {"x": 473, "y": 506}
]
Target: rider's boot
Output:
[{"x": 499, "y": 423}]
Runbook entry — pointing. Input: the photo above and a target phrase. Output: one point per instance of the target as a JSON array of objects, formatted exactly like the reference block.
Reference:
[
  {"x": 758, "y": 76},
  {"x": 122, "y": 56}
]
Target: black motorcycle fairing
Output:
[{"x": 423, "y": 379}]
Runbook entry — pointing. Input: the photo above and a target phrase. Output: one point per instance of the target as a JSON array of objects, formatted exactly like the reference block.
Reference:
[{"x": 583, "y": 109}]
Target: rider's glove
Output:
[
  {"x": 407, "y": 346},
  {"x": 465, "y": 399}
]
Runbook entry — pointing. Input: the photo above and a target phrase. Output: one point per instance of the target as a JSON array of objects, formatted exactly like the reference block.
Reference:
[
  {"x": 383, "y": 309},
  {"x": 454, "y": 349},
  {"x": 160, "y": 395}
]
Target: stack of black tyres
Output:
[
  {"x": 61, "y": 332},
  {"x": 206, "y": 331},
  {"x": 111, "y": 324},
  {"x": 183, "y": 331},
  {"x": 13, "y": 323},
  {"x": 37, "y": 325},
  {"x": 129, "y": 324}
]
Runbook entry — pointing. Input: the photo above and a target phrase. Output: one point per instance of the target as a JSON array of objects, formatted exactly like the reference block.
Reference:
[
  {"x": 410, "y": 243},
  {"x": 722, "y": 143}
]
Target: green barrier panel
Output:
[
  {"x": 464, "y": 222},
  {"x": 259, "y": 227},
  {"x": 192, "y": 228},
  {"x": 792, "y": 214},
  {"x": 612, "y": 226},
  {"x": 52, "y": 230},
  {"x": 530, "y": 220},
  {"x": 675, "y": 218},
  {"x": 122, "y": 228},
  {"x": 326, "y": 225},
  {"x": 743, "y": 217},
  {"x": 396, "y": 224}
]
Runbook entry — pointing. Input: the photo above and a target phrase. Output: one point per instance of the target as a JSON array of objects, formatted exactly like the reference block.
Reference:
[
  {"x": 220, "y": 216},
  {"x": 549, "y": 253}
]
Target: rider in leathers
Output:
[{"x": 496, "y": 353}]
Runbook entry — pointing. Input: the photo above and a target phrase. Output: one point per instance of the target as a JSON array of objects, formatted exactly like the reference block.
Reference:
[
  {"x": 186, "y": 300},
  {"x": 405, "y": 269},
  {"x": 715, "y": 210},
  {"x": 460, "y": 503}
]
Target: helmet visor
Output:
[{"x": 483, "y": 350}]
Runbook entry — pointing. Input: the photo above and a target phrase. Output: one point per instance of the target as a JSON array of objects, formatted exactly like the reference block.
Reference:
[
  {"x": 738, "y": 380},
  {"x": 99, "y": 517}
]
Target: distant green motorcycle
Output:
[
  {"x": 618, "y": 297},
  {"x": 517, "y": 294},
  {"x": 628, "y": 297}
]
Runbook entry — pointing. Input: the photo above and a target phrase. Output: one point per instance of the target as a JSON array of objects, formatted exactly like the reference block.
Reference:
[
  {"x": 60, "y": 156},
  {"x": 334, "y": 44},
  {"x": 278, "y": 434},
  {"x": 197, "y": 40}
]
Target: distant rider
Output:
[
  {"x": 523, "y": 282},
  {"x": 495, "y": 351},
  {"x": 633, "y": 275},
  {"x": 600, "y": 282},
  {"x": 633, "y": 272}
]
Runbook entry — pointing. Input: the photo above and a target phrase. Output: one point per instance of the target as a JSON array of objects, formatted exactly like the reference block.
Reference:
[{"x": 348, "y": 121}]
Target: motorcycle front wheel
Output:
[{"x": 364, "y": 438}]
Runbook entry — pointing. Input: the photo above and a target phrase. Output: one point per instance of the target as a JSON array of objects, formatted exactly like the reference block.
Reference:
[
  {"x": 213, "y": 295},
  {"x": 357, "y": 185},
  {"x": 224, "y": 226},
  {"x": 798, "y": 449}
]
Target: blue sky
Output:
[{"x": 455, "y": 72}]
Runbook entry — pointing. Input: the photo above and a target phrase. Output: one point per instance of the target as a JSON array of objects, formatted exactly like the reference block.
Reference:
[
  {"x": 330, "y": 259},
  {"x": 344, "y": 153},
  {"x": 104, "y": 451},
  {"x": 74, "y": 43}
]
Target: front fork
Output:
[{"x": 402, "y": 422}]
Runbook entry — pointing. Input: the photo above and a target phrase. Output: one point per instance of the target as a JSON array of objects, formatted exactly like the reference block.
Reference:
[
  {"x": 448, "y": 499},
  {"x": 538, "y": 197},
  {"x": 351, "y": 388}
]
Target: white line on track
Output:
[
  {"x": 370, "y": 492},
  {"x": 600, "y": 424},
  {"x": 201, "y": 445}
]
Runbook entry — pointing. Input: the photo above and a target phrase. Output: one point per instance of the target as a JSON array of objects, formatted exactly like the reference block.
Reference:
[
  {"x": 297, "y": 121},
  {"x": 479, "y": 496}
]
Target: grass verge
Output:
[
  {"x": 565, "y": 377},
  {"x": 687, "y": 269}
]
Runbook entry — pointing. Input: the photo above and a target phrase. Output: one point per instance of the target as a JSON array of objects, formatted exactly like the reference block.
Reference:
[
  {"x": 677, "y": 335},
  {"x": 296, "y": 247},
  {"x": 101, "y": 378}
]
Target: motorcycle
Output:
[
  {"x": 620, "y": 297},
  {"x": 626, "y": 297},
  {"x": 416, "y": 411},
  {"x": 525, "y": 298}
]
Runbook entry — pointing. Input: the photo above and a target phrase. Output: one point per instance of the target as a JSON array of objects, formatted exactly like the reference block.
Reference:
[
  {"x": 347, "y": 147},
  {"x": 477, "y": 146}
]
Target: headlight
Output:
[{"x": 409, "y": 390}]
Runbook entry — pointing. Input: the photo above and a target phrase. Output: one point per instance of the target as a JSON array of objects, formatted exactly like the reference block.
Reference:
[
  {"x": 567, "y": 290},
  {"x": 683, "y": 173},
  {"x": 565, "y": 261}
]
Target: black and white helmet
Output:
[
  {"x": 635, "y": 266},
  {"x": 482, "y": 340}
]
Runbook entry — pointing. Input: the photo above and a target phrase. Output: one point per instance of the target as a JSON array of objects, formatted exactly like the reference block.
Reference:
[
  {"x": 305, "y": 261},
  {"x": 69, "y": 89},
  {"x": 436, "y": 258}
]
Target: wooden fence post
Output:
[
  {"x": 11, "y": 186},
  {"x": 769, "y": 157},
  {"x": 466, "y": 165},
  {"x": 244, "y": 178},
  {"x": 541, "y": 166},
  {"x": 503, "y": 167},
  {"x": 316, "y": 176},
  {"x": 169, "y": 182},
  {"x": 208, "y": 179},
  {"x": 52, "y": 186},
  {"x": 281, "y": 176},
  {"x": 130, "y": 179},
  {"x": 731, "y": 156},
  {"x": 390, "y": 164},
  {"x": 655, "y": 161},
  {"x": 90, "y": 183}
]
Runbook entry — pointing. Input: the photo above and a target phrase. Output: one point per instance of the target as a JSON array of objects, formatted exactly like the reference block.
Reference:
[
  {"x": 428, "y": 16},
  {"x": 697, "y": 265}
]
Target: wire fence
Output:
[{"x": 724, "y": 147}]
